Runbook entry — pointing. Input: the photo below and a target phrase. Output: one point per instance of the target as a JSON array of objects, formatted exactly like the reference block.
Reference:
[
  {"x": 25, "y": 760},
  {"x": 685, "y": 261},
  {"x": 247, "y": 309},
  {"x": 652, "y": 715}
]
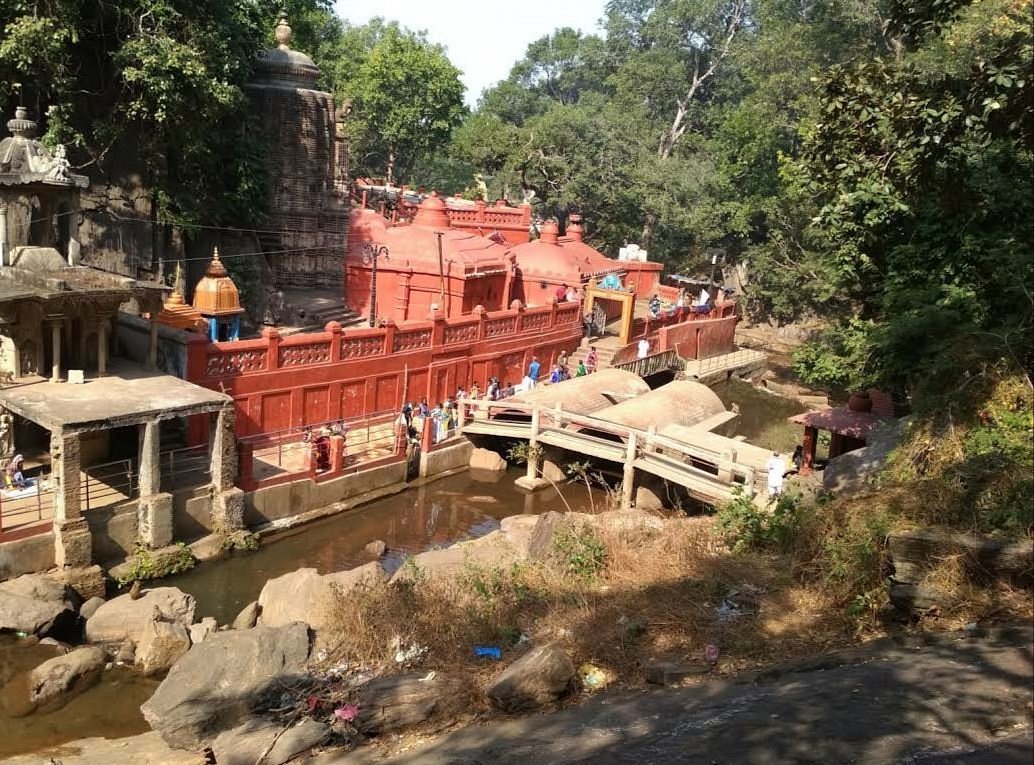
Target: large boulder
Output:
[
  {"x": 858, "y": 471},
  {"x": 486, "y": 459},
  {"x": 219, "y": 683},
  {"x": 389, "y": 703},
  {"x": 248, "y": 617},
  {"x": 74, "y": 671},
  {"x": 493, "y": 550},
  {"x": 539, "y": 677},
  {"x": 245, "y": 745},
  {"x": 203, "y": 629},
  {"x": 518, "y": 530},
  {"x": 123, "y": 618},
  {"x": 19, "y": 613},
  {"x": 89, "y": 608},
  {"x": 305, "y": 595},
  {"x": 161, "y": 645},
  {"x": 39, "y": 604}
]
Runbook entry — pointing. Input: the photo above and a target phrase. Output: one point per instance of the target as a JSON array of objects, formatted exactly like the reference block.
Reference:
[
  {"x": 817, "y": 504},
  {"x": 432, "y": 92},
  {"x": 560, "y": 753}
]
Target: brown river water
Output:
[{"x": 436, "y": 515}]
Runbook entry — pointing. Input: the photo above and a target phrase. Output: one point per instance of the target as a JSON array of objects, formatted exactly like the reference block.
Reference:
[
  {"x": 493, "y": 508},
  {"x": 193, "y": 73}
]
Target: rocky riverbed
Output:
[{"x": 250, "y": 686}]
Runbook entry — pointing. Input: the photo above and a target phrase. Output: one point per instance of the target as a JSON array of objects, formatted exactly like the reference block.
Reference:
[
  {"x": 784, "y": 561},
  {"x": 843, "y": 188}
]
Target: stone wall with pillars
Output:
[
  {"x": 73, "y": 544},
  {"x": 227, "y": 499},
  {"x": 154, "y": 510}
]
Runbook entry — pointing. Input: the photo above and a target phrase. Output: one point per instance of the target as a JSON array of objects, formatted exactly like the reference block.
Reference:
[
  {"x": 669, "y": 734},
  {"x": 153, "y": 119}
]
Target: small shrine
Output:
[
  {"x": 177, "y": 313},
  {"x": 39, "y": 198},
  {"x": 216, "y": 299}
]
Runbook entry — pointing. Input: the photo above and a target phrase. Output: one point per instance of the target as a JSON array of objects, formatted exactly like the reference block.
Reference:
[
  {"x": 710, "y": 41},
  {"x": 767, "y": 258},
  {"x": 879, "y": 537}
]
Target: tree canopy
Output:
[{"x": 863, "y": 162}]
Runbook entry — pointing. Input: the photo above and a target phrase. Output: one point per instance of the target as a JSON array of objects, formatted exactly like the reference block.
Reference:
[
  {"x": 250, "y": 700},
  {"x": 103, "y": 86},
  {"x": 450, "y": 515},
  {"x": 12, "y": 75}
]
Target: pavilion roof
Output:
[{"x": 842, "y": 421}]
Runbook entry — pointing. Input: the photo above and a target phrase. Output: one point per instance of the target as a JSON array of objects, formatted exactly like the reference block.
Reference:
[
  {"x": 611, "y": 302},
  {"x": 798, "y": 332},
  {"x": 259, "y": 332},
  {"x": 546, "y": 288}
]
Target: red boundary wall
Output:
[{"x": 282, "y": 382}]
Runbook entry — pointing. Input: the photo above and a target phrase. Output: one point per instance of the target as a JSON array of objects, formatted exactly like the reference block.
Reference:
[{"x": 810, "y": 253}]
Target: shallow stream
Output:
[{"x": 439, "y": 514}]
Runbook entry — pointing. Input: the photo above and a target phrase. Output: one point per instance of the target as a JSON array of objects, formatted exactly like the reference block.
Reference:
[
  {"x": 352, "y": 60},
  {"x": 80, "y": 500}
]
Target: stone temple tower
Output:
[{"x": 308, "y": 169}]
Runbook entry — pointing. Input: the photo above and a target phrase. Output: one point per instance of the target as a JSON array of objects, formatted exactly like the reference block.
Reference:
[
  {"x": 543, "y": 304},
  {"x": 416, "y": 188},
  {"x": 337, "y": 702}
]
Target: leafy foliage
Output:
[{"x": 746, "y": 526}]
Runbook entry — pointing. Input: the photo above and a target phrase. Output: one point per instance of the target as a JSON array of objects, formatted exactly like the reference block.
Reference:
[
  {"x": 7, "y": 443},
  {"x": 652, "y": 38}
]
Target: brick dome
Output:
[{"x": 216, "y": 294}]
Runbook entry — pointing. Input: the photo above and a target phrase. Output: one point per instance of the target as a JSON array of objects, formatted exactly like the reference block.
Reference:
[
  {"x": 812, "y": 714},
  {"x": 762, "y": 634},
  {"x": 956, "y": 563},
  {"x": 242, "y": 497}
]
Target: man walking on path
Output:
[
  {"x": 776, "y": 470},
  {"x": 533, "y": 370}
]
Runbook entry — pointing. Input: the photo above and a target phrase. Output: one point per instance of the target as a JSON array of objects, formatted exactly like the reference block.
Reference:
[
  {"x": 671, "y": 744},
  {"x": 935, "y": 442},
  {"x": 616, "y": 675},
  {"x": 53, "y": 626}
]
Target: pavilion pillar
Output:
[
  {"x": 102, "y": 346},
  {"x": 149, "y": 479},
  {"x": 811, "y": 442},
  {"x": 73, "y": 542},
  {"x": 628, "y": 472},
  {"x": 55, "y": 336},
  {"x": 154, "y": 508},
  {"x": 152, "y": 343},
  {"x": 227, "y": 498}
]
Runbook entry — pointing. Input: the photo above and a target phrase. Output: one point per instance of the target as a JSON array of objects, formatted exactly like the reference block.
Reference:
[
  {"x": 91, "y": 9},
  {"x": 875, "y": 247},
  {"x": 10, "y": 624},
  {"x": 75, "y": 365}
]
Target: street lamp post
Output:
[{"x": 371, "y": 252}]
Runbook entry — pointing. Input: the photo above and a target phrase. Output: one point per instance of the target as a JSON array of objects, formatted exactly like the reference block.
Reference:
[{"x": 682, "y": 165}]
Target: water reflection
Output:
[{"x": 461, "y": 507}]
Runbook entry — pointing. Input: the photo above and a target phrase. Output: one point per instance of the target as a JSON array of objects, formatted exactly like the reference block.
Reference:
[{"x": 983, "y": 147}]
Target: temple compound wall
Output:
[{"x": 284, "y": 382}]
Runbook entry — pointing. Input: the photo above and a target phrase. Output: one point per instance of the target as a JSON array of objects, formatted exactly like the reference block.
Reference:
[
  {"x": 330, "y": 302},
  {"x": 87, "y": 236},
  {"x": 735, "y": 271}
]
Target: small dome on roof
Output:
[
  {"x": 215, "y": 293},
  {"x": 282, "y": 65},
  {"x": 432, "y": 213},
  {"x": 179, "y": 314}
]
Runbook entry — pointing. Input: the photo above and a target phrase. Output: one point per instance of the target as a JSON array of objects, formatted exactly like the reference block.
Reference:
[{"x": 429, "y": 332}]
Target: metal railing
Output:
[
  {"x": 185, "y": 468},
  {"x": 287, "y": 451},
  {"x": 107, "y": 484},
  {"x": 20, "y": 509},
  {"x": 699, "y": 367}
]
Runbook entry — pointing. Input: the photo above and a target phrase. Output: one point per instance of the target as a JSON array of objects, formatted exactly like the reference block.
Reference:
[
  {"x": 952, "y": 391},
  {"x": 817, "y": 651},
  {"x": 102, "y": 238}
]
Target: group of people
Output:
[
  {"x": 567, "y": 294},
  {"x": 562, "y": 368},
  {"x": 687, "y": 303},
  {"x": 319, "y": 441},
  {"x": 14, "y": 477}
]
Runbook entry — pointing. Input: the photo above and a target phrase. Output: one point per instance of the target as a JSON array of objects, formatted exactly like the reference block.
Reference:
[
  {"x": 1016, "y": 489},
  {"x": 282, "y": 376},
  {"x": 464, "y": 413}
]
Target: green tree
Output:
[
  {"x": 920, "y": 164},
  {"x": 406, "y": 99}
]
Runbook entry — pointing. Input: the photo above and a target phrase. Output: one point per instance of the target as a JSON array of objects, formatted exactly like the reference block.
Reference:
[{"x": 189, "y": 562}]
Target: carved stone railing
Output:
[{"x": 211, "y": 362}]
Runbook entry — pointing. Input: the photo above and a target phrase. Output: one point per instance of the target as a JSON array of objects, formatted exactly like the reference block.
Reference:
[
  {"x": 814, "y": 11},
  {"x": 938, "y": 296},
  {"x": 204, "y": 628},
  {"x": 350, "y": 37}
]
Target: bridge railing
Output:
[
  {"x": 646, "y": 442},
  {"x": 665, "y": 361}
]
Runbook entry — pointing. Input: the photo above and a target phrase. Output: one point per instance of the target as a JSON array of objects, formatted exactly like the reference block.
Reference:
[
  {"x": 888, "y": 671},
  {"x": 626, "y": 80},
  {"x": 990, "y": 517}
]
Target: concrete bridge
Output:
[{"x": 631, "y": 430}]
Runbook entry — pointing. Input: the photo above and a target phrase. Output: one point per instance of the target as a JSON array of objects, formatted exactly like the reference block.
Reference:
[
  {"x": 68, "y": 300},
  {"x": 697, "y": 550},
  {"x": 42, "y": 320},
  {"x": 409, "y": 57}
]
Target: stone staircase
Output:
[{"x": 606, "y": 347}]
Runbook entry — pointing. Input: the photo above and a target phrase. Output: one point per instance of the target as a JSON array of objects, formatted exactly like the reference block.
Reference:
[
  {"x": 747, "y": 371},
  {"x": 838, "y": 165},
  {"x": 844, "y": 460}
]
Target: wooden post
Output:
[
  {"x": 533, "y": 443},
  {"x": 628, "y": 474},
  {"x": 811, "y": 442}
]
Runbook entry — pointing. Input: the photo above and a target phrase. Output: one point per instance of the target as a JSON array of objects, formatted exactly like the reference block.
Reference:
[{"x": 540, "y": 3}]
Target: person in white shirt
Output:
[
  {"x": 643, "y": 349},
  {"x": 704, "y": 299},
  {"x": 776, "y": 470}
]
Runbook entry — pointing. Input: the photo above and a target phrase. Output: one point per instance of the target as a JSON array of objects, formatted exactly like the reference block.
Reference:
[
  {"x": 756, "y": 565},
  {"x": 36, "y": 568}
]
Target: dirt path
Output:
[{"x": 952, "y": 701}]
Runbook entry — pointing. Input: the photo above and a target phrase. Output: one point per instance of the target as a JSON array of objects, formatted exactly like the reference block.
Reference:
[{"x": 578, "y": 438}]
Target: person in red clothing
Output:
[{"x": 561, "y": 293}]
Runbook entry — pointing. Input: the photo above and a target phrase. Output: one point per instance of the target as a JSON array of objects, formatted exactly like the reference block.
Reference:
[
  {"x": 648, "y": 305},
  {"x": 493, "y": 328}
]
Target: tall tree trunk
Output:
[
  {"x": 647, "y": 235},
  {"x": 390, "y": 173}
]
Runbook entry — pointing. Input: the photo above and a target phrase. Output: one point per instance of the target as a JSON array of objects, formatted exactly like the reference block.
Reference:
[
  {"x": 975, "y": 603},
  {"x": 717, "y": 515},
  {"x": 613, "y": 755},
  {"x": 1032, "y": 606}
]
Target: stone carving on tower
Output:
[{"x": 307, "y": 159}]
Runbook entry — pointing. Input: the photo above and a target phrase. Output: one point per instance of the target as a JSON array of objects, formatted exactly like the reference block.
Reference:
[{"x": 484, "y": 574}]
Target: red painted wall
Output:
[
  {"x": 694, "y": 337},
  {"x": 280, "y": 383},
  {"x": 407, "y": 295}
]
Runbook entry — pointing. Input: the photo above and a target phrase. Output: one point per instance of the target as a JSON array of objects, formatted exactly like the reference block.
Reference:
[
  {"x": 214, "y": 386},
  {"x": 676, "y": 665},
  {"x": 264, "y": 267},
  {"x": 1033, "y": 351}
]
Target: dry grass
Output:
[
  {"x": 965, "y": 597},
  {"x": 658, "y": 595}
]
